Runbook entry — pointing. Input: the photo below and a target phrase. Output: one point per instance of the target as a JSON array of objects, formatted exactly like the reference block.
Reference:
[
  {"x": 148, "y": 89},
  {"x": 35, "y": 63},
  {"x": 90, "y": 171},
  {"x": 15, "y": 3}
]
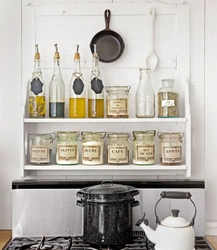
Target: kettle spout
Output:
[{"x": 150, "y": 233}]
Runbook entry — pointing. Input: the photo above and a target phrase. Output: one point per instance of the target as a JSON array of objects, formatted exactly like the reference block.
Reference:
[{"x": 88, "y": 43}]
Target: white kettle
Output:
[{"x": 174, "y": 232}]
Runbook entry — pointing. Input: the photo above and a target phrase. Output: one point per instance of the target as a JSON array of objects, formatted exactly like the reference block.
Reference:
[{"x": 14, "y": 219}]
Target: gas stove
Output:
[{"x": 140, "y": 242}]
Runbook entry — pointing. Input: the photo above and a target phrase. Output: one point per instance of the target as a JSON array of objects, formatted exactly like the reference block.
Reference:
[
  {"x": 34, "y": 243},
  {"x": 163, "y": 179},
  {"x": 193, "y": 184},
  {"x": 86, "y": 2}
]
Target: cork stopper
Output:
[
  {"x": 37, "y": 54},
  {"x": 77, "y": 55},
  {"x": 57, "y": 54},
  {"x": 95, "y": 55}
]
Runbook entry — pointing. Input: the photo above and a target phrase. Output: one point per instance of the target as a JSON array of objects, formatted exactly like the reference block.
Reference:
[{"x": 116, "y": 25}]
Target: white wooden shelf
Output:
[{"x": 105, "y": 120}]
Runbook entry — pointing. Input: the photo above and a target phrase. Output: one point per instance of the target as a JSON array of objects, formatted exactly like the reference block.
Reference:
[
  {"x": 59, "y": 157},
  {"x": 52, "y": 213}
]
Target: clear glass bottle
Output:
[
  {"x": 76, "y": 91},
  {"x": 40, "y": 149},
  {"x": 144, "y": 147},
  {"x": 37, "y": 105},
  {"x": 118, "y": 148},
  {"x": 56, "y": 90},
  {"x": 92, "y": 148},
  {"x": 95, "y": 90},
  {"x": 117, "y": 105},
  {"x": 67, "y": 151},
  {"x": 145, "y": 97},
  {"x": 168, "y": 100},
  {"x": 170, "y": 148}
]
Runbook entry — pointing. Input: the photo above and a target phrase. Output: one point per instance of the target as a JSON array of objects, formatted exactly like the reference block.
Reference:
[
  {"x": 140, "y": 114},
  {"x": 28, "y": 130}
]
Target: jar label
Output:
[
  {"x": 145, "y": 153},
  {"x": 67, "y": 152},
  {"x": 36, "y": 86},
  {"x": 171, "y": 154},
  {"x": 118, "y": 155},
  {"x": 91, "y": 153},
  {"x": 168, "y": 103},
  {"x": 39, "y": 154},
  {"x": 78, "y": 86},
  {"x": 117, "y": 106}
]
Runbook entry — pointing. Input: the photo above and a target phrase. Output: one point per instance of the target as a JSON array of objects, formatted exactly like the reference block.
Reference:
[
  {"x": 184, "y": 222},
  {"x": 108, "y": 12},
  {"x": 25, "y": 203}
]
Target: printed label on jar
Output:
[
  {"x": 66, "y": 152},
  {"x": 117, "y": 106},
  {"x": 168, "y": 103},
  {"x": 39, "y": 154},
  {"x": 171, "y": 154},
  {"x": 118, "y": 155},
  {"x": 91, "y": 153},
  {"x": 145, "y": 153}
]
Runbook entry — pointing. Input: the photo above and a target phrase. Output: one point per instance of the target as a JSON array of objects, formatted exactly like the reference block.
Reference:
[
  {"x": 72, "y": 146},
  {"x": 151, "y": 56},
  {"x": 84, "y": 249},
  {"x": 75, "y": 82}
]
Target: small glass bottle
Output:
[
  {"x": 37, "y": 106},
  {"x": 95, "y": 91},
  {"x": 40, "y": 149},
  {"x": 56, "y": 90},
  {"x": 118, "y": 148},
  {"x": 145, "y": 97},
  {"x": 117, "y": 105},
  {"x": 92, "y": 148},
  {"x": 144, "y": 147},
  {"x": 67, "y": 148},
  {"x": 77, "y": 93},
  {"x": 168, "y": 100},
  {"x": 170, "y": 148}
]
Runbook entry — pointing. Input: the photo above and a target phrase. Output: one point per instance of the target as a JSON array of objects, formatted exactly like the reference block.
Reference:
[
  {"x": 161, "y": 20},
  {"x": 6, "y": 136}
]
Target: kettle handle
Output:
[{"x": 175, "y": 195}]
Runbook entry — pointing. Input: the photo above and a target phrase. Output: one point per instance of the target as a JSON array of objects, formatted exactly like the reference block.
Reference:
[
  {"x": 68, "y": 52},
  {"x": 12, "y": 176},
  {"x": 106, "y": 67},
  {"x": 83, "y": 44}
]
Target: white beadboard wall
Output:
[{"x": 203, "y": 97}]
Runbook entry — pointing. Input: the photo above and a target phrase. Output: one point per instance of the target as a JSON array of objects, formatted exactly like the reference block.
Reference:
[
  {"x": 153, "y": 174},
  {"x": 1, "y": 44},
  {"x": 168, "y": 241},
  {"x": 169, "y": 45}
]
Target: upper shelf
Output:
[{"x": 106, "y": 120}]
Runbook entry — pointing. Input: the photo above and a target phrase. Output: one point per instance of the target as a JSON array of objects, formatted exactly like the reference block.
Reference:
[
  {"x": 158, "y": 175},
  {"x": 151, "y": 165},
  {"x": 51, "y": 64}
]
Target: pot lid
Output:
[
  {"x": 175, "y": 221},
  {"x": 107, "y": 187}
]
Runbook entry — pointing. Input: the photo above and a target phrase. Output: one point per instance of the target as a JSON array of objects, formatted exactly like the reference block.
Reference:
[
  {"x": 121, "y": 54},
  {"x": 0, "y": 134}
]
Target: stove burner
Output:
[{"x": 140, "y": 242}]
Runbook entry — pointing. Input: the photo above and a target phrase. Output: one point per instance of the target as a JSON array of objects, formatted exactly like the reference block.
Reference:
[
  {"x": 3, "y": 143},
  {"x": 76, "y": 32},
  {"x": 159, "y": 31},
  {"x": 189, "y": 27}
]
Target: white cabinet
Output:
[{"x": 47, "y": 23}]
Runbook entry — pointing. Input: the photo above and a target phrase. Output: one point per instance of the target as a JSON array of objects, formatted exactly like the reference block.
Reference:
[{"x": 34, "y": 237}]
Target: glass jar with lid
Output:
[
  {"x": 168, "y": 100},
  {"x": 117, "y": 105},
  {"x": 118, "y": 148},
  {"x": 170, "y": 148},
  {"x": 67, "y": 150},
  {"x": 144, "y": 147},
  {"x": 92, "y": 148},
  {"x": 40, "y": 148}
]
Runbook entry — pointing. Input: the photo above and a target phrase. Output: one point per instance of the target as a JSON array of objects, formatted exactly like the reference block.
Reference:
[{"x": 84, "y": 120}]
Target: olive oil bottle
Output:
[
  {"x": 76, "y": 91},
  {"x": 56, "y": 90},
  {"x": 37, "y": 105},
  {"x": 96, "y": 90}
]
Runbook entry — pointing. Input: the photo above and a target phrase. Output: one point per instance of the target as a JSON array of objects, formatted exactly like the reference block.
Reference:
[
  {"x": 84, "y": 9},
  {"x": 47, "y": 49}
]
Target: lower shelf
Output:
[{"x": 108, "y": 169}]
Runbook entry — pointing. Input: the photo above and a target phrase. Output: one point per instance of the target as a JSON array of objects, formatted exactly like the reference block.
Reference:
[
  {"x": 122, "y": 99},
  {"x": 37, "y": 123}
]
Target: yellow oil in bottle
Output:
[
  {"x": 95, "y": 108},
  {"x": 76, "y": 107},
  {"x": 37, "y": 107}
]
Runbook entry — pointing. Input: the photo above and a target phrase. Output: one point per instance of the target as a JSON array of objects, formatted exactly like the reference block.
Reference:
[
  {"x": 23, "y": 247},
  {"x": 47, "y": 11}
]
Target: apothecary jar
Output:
[
  {"x": 40, "y": 148},
  {"x": 67, "y": 148},
  {"x": 144, "y": 147},
  {"x": 118, "y": 148},
  {"x": 92, "y": 148},
  {"x": 170, "y": 148}
]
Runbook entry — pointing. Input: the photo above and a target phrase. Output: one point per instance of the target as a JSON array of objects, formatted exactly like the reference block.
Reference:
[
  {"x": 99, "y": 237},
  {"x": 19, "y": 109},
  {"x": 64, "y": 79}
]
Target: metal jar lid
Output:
[{"x": 108, "y": 191}]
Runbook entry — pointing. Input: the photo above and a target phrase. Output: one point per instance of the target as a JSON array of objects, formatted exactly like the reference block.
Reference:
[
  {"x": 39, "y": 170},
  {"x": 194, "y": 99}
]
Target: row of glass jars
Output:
[{"x": 118, "y": 146}]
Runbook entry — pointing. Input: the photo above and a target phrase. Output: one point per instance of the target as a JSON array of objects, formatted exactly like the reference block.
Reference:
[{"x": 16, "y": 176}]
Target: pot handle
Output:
[
  {"x": 134, "y": 203},
  {"x": 80, "y": 194},
  {"x": 107, "y": 182},
  {"x": 80, "y": 203},
  {"x": 135, "y": 192},
  {"x": 175, "y": 195}
]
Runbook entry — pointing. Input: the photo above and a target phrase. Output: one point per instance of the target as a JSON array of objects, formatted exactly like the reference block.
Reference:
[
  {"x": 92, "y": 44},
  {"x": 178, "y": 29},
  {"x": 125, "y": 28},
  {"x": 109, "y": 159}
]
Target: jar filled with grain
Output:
[
  {"x": 118, "y": 148},
  {"x": 40, "y": 148},
  {"x": 117, "y": 105},
  {"x": 144, "y": 147},
  {"x": 92, "y": 148},
  {"x": 67, "y": 147},
  {"x": 170, "y": 148},
  {"x": 168, "y": 100}
]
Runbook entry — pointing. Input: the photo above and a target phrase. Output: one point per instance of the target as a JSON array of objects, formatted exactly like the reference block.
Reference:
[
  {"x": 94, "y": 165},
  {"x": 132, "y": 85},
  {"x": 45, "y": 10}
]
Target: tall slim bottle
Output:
[
  {"x": 37, "y": 106},
  {"x": 95, "y": 90},
  {"x": 56, "y": 90},
  {"x": 76, "y": 91},
  {"x": 145, "y": 97}
]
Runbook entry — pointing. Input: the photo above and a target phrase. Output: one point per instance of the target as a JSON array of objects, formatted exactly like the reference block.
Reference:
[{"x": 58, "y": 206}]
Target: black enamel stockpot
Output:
[{"x": 107, "y": 213}]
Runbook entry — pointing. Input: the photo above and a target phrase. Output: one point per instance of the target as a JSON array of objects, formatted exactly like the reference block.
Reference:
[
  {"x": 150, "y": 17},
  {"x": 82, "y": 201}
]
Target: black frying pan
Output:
[{"x": 109, "y": 44}]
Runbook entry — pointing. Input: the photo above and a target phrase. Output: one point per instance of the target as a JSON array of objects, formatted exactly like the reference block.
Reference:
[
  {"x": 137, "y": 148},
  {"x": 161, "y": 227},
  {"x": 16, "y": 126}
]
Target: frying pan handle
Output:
[{"x": 107, "y": 15}]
